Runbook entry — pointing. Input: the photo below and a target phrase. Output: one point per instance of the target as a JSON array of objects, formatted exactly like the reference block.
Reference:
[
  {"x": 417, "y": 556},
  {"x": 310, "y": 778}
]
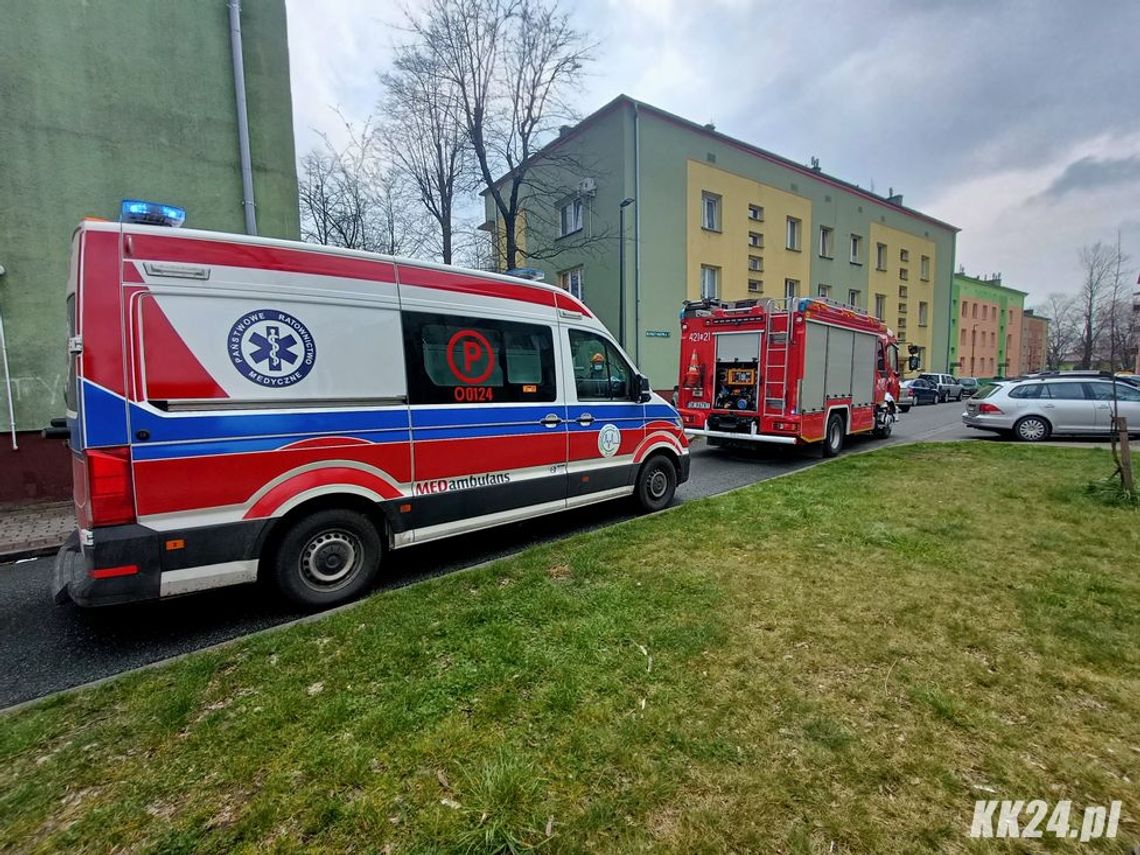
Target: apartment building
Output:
[
  {"x": 707, "y": 215},
  {"x": 985, "y": 327},
  {"x": 1034, "y": 342}
]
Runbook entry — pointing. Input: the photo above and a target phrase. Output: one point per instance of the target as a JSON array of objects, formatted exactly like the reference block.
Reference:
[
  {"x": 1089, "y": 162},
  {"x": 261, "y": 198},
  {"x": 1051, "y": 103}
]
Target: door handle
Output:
[
  {"x": 585, "y": 420},
  {"x": 1048, "y": 406},
  {"x": 550, "y": 420},
  {"x": 1104, "y": 406}
]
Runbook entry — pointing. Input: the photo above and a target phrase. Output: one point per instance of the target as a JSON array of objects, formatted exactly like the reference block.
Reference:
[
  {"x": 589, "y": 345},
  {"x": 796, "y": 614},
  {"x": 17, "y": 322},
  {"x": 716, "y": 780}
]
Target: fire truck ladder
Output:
[{"x": 777, "y": 338}]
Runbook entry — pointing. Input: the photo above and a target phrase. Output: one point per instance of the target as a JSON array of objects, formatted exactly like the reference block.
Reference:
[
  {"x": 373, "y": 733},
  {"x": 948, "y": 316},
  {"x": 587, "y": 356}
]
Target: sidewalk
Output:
[{"x": 34, "y": 530}]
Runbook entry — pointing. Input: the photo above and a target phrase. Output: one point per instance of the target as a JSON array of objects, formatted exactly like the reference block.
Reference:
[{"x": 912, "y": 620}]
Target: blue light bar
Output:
[{"x": 151, "y": 213}]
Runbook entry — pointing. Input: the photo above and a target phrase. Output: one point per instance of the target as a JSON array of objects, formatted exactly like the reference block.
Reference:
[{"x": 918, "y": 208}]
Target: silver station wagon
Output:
[{"x": 1037, "y": 408}]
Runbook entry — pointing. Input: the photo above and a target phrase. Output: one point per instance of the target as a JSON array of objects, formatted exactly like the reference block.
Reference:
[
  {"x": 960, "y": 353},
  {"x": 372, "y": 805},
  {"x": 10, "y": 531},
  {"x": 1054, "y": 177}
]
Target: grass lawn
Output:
[{"x": 838, "y": 661}]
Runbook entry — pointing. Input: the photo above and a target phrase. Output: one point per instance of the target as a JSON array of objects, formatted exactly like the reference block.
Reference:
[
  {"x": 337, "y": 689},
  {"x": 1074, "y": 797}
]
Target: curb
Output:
[{"x": 26, "y": 552}]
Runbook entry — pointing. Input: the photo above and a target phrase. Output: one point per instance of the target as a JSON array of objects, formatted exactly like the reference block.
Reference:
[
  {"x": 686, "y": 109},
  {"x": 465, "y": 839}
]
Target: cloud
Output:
[{"x": 1091, "y": 173}]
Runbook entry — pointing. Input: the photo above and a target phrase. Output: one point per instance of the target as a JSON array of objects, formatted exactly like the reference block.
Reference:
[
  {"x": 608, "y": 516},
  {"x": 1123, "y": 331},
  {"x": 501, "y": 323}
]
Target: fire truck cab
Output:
[{"x": 759, "y": 371}]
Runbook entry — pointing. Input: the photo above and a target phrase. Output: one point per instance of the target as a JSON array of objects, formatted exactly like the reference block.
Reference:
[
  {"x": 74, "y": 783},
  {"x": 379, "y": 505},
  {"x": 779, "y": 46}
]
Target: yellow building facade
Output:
[{"x": 900, "y": 269}]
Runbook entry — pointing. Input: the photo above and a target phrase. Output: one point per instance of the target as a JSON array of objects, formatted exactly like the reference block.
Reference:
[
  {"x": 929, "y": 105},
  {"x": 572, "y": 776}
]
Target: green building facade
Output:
[
  {"x": 987, "y": 327},
  {"x": 117, "y": 99},
  {"x": 713, "y": 212}
]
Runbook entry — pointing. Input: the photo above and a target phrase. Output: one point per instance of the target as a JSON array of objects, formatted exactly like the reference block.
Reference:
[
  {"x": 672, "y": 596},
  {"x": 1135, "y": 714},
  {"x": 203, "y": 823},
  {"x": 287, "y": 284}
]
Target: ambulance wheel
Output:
[
  {"x": 833, "y": 439},
  {"x": 327, "y": 558},
  {"x": 656, "y": 483}
]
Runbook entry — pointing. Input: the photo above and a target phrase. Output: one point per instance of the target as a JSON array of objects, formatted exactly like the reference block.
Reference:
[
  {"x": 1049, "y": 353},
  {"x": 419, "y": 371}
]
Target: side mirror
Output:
[
  {"x": 912, "y": 363},
  {"x": 644, "y": 393}
]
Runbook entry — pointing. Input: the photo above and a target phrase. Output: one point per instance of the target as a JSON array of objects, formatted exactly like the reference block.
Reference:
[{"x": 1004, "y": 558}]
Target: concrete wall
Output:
[{"x": 118, "y": 98}]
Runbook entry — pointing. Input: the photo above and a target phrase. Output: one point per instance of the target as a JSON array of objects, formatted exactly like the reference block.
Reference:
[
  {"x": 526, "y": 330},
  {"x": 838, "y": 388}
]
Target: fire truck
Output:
[{"x": 806, "y": 371}]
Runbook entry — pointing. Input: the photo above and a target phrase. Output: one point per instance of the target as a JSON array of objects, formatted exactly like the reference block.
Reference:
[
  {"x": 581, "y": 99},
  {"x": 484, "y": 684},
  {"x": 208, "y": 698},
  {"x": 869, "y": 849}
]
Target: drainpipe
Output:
[
  {"x": 8, "y": 381},
  {"x": 637, "y": 236},
  {"x": 242, "y": 118}
]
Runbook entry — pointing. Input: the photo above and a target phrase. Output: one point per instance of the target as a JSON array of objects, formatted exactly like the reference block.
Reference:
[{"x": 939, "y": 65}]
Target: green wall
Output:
[
  {"x": 988, "y": 291},
  {"x": 119, "y": 98}
]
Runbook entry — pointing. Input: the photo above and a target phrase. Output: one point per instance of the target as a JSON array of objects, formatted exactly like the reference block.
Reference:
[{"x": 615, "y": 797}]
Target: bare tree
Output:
[
  {"x": 426, "y": 137},
  {"x": 352, "y": 197},
  {"x": 1064, "y": 329},
  {"x": 1098, "y": 263},
  {"x": 512, "y": 63}
]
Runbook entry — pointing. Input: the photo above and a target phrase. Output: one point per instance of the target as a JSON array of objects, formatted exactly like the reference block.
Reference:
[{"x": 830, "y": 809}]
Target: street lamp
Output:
[{"x": 626, "y": 202}]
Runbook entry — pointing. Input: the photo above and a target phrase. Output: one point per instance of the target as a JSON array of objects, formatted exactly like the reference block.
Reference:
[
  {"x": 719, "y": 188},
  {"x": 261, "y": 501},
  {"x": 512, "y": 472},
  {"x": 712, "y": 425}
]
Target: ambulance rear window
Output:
[{"x": 477, "y": 360}]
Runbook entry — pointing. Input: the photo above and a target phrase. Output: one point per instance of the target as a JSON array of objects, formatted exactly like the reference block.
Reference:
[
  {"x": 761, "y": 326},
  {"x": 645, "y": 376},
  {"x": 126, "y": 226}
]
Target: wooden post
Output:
[{"x": 1125, "y": 457}]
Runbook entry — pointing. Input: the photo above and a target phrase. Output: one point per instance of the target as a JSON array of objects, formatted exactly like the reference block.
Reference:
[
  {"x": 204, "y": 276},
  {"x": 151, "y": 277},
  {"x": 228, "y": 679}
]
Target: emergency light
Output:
[
  {"x": 151, "y": 213},
  {"x": 532, "y": 273}
]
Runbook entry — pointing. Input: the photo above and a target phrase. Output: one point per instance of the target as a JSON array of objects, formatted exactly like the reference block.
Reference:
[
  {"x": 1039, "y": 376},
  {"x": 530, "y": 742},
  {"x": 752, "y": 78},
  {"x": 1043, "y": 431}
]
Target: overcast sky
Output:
[{"x": 1017, "y": 121}]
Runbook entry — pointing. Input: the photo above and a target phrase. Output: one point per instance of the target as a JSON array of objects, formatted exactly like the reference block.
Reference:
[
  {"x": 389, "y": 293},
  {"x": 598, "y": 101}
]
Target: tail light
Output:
[
  {"x": 989, "y": 408},
  {"x": 109, "y": 485}
]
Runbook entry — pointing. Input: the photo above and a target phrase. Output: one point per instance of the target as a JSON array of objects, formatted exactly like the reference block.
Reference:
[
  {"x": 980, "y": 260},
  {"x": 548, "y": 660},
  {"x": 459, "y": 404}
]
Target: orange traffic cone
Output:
[{"x": 693, "y": 374}]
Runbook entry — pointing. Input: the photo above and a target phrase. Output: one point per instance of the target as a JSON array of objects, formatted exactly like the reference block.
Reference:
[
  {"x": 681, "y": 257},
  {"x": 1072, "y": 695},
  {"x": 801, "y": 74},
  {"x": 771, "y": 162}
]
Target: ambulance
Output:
[{"x": 243, "y": 409}]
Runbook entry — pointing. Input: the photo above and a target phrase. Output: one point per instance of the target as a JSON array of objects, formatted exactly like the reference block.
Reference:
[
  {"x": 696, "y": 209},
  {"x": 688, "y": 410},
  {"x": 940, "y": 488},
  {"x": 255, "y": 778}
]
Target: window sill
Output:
[
  {"x": 856, "y": 263},
  {"x": 714, "y": 231},
  {"x": 793, "y": 249},
  {"x": 828, "y": 257},
  {"x": 881, "y": 269},
  {"x": 569, "y": 234}
]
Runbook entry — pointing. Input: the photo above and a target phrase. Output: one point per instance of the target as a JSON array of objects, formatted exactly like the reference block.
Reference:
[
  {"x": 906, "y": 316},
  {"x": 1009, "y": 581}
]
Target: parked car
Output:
[
  {"x": 913, "y": 393},
  {"x": 948, "y": 386},
  {"x": 969, "y": 385},
  {"x": 1036, "y": 408}
]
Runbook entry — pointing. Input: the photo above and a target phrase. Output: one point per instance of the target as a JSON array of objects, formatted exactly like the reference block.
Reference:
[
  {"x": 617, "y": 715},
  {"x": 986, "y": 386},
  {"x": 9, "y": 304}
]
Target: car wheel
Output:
[
  {"x": 943, "y": 397},
  {"x": 327, "y": 558},
  {"x": 833, "y": 438},
  {"x": 904, "y": 408},
  {"x": 656, "y": 483},
  {"x": 959, "y": 398},
  {"x": 1032, "y": 429}
]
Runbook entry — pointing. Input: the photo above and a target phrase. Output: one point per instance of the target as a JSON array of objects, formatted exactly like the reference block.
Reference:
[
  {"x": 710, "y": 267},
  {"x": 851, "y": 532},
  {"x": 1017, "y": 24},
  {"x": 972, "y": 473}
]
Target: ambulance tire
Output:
[
  {"x": 327, "y": 558},
  {"x": 833, "y": 438},
  {"x": 656, "y": 483}
]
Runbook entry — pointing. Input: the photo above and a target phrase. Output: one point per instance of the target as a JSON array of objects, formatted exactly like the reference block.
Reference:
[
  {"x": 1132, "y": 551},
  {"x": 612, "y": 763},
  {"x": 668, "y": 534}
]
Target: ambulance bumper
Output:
[
  {"x": 743, "y": 437},
  {"x": 122, "y": 569}
]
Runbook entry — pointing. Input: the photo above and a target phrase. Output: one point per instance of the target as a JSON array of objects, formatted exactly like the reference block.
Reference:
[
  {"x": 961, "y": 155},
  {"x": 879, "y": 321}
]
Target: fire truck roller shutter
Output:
[
  {"x": 840, "y": 346},
  {"x": 863, "y": 370},
  {"x": 815, "y": 369}
]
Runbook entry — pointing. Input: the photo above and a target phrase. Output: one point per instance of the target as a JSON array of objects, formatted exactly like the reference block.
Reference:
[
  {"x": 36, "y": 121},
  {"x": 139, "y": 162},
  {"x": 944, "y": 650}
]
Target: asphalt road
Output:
[{"x": 45, "y": 648}]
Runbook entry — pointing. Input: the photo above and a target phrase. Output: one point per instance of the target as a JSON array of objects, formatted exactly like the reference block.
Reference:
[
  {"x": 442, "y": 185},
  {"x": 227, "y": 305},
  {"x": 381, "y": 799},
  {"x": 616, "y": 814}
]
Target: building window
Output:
[
  {"x": 881, "y": 306},
  {"x": 826, "y": 242},
  {"x": 923, "y": 310},
  {"x": 710, "y": 282},
  {"x": 710, "y": 212},
  {"x": 755, "y": 262},
  {"x": 756, "y": 213},
  {"x": 963, "y": 308},
  {"x": 904, "y": 274},
  {"x": 975, "y": 311},
  {"x": 903, "y": 291},
  {"x": 853, "y": 298},
  {"x": 904, "y": 255},
  {"x": 794, "y": 226},
  {"x": 962, "y": 338},
  {"x": 985, "y": 311},
  {"x": 570, "y": 217},
  {"x": 756, "y": 286},
  {"x": 791, "y": 289},
  {"x": 571, "y": 280},
  {"x": 924, "y": 268},
  {"x": 823, "y": 290},
  {"x": 756, "y": 239},
  {"x": 856, "y": 249},
  {"x": 880, "y": 256}
]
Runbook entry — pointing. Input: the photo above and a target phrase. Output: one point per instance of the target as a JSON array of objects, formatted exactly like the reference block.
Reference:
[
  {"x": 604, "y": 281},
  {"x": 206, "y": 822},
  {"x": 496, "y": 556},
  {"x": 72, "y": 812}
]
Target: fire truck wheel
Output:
[
  {"x": 656, "y": 483},
  {"x": 327, "y": 558},
  {"x": 833, "y": 439}
]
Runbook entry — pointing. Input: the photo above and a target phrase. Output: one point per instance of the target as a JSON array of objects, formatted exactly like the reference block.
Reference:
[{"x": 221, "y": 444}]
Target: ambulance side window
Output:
[
  {"x": 600, "y": 373},
  {"x": 453, "y": 360}
]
